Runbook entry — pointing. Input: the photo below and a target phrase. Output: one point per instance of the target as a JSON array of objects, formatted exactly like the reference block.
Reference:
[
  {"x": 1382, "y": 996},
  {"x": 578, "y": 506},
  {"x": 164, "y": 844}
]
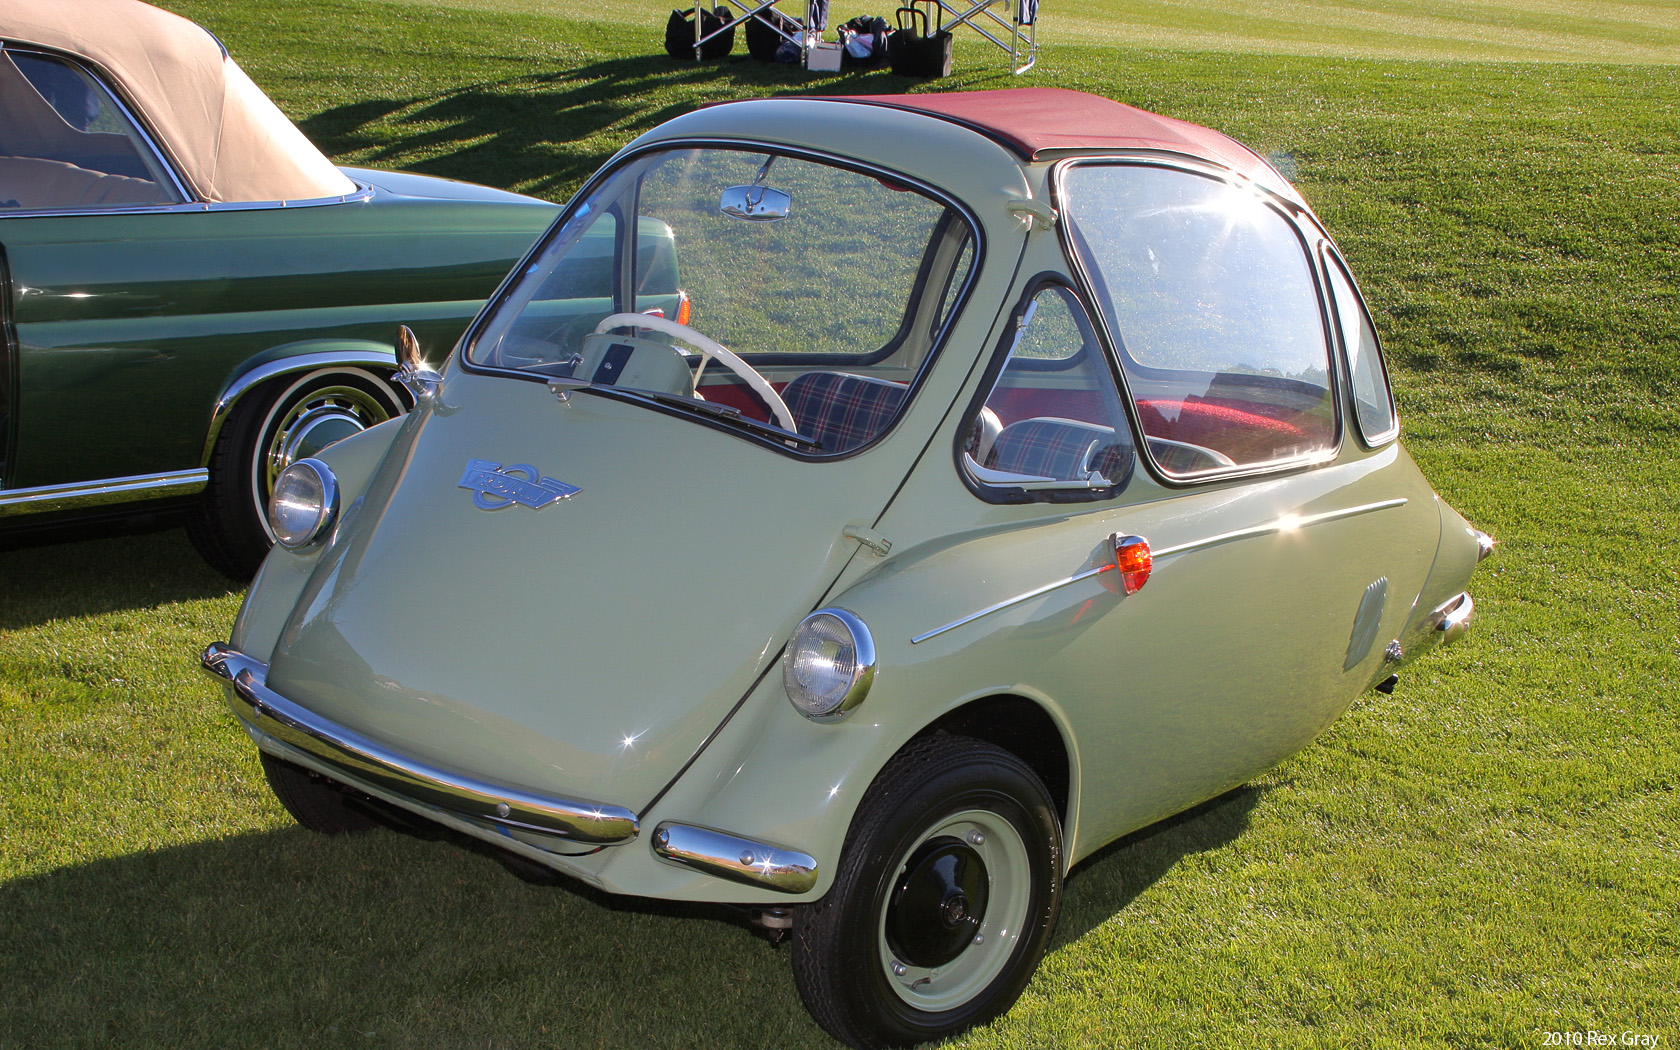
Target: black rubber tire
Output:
[
  {"x": 837, "y": 941},
  {"x": 230, "y": 525},
  {"x": 314, "y": 801}
]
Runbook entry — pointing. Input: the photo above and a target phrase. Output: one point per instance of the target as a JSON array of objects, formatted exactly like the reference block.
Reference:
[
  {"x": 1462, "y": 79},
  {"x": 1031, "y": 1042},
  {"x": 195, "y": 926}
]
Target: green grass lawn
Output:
[
  {"x": 1641, "y": 31},
  {"x": 1489, "y": 854}
]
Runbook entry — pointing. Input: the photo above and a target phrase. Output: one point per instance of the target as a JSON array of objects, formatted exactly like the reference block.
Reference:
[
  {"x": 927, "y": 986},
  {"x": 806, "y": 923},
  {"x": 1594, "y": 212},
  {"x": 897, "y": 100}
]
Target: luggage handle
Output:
[{"x": 914, "y": 13}]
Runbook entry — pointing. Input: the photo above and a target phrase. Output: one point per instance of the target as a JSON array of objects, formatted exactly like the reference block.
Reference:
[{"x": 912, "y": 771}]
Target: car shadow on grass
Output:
[
  {"x": 286, "y": 938},
  {"x": 544, "y": 133},
  {"x": 392, "y": 939},
  {"x": 91, "y": 570},
  {"x": 1105, "y": 884}
]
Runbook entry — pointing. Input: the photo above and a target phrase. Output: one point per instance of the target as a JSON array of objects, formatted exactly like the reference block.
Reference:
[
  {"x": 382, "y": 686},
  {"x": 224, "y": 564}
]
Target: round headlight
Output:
[
  {"x": 829, "y": 664},
  {"x": 303, "y": 504}
]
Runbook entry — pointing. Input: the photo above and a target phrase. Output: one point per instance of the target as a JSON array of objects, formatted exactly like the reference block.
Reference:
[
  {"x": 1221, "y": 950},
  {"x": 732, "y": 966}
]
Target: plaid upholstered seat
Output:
[
  {"x": 840, "y": 410},
  {"x": 1064, "y": 449}
]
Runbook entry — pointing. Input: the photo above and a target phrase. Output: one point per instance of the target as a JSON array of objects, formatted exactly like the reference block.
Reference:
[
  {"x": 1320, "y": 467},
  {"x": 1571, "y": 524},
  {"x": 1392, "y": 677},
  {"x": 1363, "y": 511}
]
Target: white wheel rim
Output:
[{"x": 1009, "y": 873}]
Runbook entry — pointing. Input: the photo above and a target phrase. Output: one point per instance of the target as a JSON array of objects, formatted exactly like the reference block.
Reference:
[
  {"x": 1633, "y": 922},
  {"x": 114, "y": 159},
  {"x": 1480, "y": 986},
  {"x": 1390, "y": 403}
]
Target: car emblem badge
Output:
[{"x": 494, "y": 486}]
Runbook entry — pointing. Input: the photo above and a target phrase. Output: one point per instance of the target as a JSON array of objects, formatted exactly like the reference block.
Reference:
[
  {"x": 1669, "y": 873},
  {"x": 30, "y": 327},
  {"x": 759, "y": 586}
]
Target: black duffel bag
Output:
[
  {"x": 914, "y": 54},
  {"x": 679, "y": 34}
]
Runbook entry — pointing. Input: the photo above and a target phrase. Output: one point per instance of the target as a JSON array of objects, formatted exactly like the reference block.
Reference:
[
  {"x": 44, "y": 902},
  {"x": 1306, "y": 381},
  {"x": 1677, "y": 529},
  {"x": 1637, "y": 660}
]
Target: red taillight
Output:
[
  {"x": 683, "y": 307},
  {"x": 1132, "y": 558}
]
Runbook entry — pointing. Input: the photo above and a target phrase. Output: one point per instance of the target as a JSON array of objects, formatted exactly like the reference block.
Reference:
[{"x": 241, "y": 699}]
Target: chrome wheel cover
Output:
[{"x": 321, "y": 417}]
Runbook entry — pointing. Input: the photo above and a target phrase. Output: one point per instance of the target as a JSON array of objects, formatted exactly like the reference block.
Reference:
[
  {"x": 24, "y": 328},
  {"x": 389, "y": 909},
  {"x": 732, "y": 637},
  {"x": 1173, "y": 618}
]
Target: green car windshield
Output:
[{"x": 828, "y": 290}]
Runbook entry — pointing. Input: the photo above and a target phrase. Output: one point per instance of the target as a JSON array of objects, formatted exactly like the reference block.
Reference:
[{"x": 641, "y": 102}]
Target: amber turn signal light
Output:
[{"x": 1132, "y": 558}]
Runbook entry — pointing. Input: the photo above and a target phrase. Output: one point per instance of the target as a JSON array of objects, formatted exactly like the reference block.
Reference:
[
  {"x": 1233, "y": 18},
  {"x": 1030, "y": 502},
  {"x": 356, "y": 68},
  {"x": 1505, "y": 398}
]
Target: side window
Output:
[
  {"x": 1209, "y": 293},
  {"x": 1053, "y": 422},
  {"x": 1373, "y": 403},
  {"x": 65, "y": 142},
  {"x": 570, "y": 286}
]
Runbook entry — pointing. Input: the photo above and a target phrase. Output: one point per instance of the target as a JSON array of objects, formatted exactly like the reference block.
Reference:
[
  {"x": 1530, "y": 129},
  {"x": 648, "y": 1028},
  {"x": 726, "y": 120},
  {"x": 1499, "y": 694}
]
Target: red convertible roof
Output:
[{"x": 1033, "y": 120}]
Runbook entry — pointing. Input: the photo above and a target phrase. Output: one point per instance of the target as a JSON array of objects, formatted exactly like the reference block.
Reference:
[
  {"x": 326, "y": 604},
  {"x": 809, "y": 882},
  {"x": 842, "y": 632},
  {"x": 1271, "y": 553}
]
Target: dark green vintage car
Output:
[{"x": 191, "y": 295}]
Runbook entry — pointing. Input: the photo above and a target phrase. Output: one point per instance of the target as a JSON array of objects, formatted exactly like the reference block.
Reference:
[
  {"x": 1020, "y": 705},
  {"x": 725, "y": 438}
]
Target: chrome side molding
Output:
[
  {"x": 79, "y": 494},
  {"x": 343, "y": 748},
  {"x": 735, "y": 858},
  {"x": 1286, "y": 523}
]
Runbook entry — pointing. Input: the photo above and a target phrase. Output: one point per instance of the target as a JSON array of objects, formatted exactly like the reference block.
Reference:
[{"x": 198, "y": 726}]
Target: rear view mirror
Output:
[{"x": 755, "y": 203}]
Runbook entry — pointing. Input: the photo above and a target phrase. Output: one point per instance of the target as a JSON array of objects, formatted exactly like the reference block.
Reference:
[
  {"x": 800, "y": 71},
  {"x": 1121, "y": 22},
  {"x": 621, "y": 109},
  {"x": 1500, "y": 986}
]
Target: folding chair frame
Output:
[{"x": 1021, "y": 27}]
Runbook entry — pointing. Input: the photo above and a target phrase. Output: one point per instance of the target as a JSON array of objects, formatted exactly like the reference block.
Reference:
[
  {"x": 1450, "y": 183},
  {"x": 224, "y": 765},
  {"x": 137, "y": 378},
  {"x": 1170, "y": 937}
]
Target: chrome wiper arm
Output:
[{"x": 726, "y": 413}]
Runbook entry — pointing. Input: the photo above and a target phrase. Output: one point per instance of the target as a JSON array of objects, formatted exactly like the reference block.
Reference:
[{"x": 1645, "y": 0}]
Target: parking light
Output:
[{"x": 1132, "y": 558}]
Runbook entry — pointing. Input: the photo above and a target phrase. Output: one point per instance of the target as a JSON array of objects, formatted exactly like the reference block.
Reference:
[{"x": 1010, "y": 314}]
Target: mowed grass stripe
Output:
[{"x": 1487, "y": 31}]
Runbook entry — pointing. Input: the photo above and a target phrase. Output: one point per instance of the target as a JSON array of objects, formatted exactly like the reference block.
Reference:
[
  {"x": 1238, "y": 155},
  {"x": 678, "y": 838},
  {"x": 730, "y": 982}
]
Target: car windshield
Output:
[{"x": 743, "y": 285}]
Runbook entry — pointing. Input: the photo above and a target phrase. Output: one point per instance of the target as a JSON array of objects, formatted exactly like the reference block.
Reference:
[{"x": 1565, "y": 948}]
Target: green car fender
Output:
[{"x": 289, "y": 359}]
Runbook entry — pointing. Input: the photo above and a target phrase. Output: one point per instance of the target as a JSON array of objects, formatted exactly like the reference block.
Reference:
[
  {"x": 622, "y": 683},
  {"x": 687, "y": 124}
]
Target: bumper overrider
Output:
[{"x": 488, "y": 803}]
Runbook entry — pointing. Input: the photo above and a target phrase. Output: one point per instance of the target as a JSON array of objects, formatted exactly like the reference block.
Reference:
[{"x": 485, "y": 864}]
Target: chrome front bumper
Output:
[
  {"x": 482, "y": 802},
  {"x": 502, "y": 804}
]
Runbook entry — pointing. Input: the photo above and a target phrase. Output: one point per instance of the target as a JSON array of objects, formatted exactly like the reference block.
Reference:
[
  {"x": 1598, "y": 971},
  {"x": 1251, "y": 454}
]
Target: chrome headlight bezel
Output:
[
  {"x": 303, "y": 504},
  {"x": 854, "y": 653}
]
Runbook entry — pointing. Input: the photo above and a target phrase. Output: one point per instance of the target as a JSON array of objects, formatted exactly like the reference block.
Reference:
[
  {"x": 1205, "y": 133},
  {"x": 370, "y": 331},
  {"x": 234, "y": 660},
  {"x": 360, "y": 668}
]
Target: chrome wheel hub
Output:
[{"x": 327, "y": 415}]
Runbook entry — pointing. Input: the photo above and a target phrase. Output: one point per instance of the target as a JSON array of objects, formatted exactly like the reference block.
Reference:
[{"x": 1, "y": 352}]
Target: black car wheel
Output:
[
  {"x": 946, "y": 893},
  {"x": 272, "y": 428},
  {"x": 314, "y": 801}
]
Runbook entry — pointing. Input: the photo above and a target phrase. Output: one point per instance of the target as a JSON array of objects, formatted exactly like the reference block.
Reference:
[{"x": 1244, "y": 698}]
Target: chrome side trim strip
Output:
[
  {"x": 256, "y": 704},
  {"x": 735, "y": 858},
  {"x": 1007, "y": 602},
  {"x": 77, "y": 494},
  {"x": 1286, "y": 523},
  {"x": 363, "y": 192}
]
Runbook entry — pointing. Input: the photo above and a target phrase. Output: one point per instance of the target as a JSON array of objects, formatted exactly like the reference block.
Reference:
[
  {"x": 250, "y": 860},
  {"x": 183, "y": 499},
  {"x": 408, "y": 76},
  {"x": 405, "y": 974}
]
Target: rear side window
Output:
[
  {"x": 1373, "y": 403},
  {"x": 1052, "y": 425},
  {"x": 65, "y": 142},
  {"x": 1209, "y": 293}
]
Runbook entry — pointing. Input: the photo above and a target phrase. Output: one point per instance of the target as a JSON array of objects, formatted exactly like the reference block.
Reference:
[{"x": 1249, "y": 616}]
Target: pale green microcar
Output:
[{"x": 1007, "y": 471}]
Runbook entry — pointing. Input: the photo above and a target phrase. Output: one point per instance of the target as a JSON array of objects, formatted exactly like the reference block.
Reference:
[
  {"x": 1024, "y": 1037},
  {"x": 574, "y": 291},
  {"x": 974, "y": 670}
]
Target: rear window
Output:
[
  {"x": 1209, "y": 293},
  {"x": 66, "y": 143}
]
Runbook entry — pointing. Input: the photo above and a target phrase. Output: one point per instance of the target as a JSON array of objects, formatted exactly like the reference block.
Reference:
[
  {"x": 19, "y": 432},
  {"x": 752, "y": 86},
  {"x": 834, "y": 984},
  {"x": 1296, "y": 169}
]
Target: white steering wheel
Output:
[{"x": 710, "y": 349}]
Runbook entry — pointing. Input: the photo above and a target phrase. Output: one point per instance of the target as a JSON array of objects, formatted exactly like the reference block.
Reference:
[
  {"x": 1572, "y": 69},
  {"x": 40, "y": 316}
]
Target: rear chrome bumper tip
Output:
[
  {"x": 735, "y": 858},
  {"x": 1484, "y": 544},
  {"x": 1452, "y": 618},
  {"x": 343, "y": 748}
]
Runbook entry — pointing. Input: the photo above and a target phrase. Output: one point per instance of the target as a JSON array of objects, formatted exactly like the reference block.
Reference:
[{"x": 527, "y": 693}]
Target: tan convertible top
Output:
[{"x": 221, "y": 134}]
